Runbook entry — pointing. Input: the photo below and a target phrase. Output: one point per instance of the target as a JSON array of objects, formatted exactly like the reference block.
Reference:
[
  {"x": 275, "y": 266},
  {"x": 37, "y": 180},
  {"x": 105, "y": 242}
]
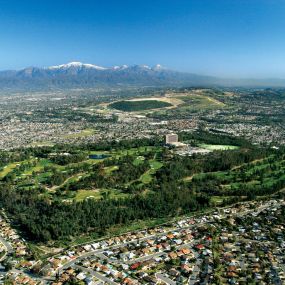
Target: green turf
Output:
[
  {"x": 154, "y": 164},
  {"x": 99, "y": 194},
  {"x": 83, "y": 194},
  {"x": 134, "y": 106},
  {"x": 217, "y": 147},
  {"x": 147, "y": 176},
  {"x": 81, "y": 134},
  {"x": 110, "y": 169},
  {"x": 8, "y": 168},
  {"x": 140, "y": 159}
]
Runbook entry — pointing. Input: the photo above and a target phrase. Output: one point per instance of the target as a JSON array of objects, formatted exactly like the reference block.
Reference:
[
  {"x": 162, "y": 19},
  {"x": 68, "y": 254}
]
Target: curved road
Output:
[{"x": 7, "y": 246}]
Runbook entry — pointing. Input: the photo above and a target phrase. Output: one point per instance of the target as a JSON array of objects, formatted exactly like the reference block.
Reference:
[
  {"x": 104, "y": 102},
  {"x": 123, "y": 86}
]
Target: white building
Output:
[{"x": 171, "y": 138}]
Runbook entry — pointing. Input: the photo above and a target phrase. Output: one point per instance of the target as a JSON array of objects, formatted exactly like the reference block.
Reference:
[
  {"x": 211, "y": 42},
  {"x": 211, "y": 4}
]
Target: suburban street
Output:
[
  {"x": 8, "y": 248},
  {"x": 165, "y": 279},
  {"x": 97, "y": 275}
]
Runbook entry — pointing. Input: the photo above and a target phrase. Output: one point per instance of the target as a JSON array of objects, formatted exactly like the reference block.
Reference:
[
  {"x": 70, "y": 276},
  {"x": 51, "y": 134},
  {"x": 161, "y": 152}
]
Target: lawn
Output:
[
  {"x": 154, "y": 164},
  {"x": 147, "y": 176},
  {"x": 99, "y": 194},
  {"x": 83, "y": 194},
  {"x": 78, "y": 170},
  {"x": 202, "y": 102},
  {"x": 134, "y": 106},
  {"x": 8, "y": 168},
  {"x": 218, "y": 200},
  {"x": 191, "y": 103},
  {"x": 108, "y": 170},
  {"x": 39, "y": 166},
  {"x": 135, "y": 151},
  {"x": 217, "y": 147},
  {"x": 140, "y": 159},
  {"x": 83, "y": 133}
]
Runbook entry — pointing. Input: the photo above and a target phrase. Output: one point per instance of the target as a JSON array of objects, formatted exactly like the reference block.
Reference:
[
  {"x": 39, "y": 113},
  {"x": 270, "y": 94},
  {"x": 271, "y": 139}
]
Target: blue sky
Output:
[{"x": 230, "y": 38}]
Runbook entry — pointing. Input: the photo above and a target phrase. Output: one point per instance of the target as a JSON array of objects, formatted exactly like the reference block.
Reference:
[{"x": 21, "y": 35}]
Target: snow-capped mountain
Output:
[
  {"x": 78, "y": 74},
  {"x": 79, "y": 65},
  {"x": 75, "y": 64}
]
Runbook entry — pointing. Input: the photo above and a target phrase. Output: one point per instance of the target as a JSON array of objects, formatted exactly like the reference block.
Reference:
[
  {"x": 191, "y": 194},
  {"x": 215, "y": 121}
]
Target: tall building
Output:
[{"x": 171, "y": 138}]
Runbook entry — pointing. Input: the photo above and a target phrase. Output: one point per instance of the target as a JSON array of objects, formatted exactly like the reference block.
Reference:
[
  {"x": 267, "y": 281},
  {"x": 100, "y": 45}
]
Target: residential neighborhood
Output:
[
  {"x": 242, "y": 244},
  {"x": 73, "y": 117}
]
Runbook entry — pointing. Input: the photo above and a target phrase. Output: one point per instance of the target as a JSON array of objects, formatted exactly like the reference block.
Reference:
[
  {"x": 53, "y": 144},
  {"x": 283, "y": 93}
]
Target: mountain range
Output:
[{"x": 77, "y": 74}]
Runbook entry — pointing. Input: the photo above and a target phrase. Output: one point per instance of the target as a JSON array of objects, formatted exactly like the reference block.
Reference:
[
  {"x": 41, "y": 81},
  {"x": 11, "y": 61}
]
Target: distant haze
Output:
[{"x": 221, "y": 38}]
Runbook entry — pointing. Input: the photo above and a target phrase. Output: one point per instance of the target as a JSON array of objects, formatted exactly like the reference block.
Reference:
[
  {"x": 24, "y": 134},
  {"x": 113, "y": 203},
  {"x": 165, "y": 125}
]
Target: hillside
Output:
[{"x": 76, "y": 74}]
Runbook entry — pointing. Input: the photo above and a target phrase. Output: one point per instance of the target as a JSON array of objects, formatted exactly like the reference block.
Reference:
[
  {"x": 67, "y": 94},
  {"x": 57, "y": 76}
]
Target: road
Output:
[
  {"x": 195, "y": 275},
  {"x": 97, "y": 275},
  {"x": 83, "y": 256},
  {"x": 8, "y": 248},
  {"x": 146, "y": 257},
  {"x": 99, "y": 252},
  {"x": 165, "y": 279},
  {"x": 29, "y": 275}
]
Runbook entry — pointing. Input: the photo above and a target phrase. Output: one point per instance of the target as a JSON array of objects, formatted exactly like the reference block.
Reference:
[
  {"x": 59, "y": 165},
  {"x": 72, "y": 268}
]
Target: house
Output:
[
  {"x": 172, "y": 255},
  {"x": 135, "y": 266},
  {"x": 186, "y": 251},
  {"x": 200, "y": 246},
  {"x": 170, "y": 236},
  {"x": 173, "y": 272},
  {"x": 185, "y": 268},
  {"x": 81, "y": 276},
  {"x": 95, "y": 245}
]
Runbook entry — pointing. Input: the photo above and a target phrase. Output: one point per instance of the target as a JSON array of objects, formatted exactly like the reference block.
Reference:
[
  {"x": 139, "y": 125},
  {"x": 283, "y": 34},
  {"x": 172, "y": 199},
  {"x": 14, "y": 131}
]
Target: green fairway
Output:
[
  {"x": 147, "y": 176},
  {"x": 83, "y": 194},
  {"x": 258, "y": 177},
  {"x": 58, "y": 179},
  {"x": 138, "y": 160},
  {"x": 110, "y": 169},
  {"x": 154, "y": 164},
  {"x": 40, "y": 164},
  {"x": 128, "y": 180},
  {"x": 98, "y": 194},
  {"x": 7, "y": 169}
]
